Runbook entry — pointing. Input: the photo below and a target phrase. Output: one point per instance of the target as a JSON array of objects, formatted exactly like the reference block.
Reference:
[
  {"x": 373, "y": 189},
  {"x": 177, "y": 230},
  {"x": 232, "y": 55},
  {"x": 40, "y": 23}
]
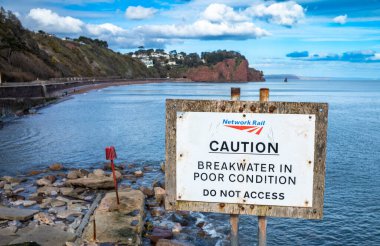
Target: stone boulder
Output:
[{"x": 92, "y": 182}]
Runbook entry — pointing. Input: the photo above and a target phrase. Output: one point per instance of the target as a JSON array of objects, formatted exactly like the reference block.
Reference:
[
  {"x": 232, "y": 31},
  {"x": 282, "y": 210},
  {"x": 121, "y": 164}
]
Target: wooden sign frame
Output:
[{"x": 320, "y": 110}]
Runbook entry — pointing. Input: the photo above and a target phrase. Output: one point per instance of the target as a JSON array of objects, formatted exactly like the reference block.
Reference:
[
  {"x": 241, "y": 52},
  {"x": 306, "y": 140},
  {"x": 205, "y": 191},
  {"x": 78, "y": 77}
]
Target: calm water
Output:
[{"x": 132, "y": 118}]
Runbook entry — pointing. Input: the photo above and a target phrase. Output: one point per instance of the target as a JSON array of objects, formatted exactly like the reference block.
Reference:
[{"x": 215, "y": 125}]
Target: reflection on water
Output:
[{"x": 132, "y": 118}]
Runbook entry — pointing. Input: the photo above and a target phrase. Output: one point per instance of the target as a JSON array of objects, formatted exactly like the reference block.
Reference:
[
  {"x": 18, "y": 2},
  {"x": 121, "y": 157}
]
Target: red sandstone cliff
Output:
[{"x": 229, "y": 70}]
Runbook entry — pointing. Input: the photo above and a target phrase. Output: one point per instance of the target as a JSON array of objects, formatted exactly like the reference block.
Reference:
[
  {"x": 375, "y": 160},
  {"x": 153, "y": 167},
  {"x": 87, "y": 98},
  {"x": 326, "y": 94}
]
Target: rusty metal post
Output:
[
  {"x": 234, "y": 218},
  {"x": 94, "y": 229},
  {"x": 262, "y": 220},
  {"x": 264, "y": 95},
  {"x": 235, "y": 93}
]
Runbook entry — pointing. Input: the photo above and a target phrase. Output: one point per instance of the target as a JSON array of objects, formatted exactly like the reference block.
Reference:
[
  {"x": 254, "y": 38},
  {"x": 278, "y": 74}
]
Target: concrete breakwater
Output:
[{"x": 60, "y": 206}]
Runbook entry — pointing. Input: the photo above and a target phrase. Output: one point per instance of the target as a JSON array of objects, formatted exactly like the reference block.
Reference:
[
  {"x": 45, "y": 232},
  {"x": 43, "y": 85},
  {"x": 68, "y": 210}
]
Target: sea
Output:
[{"x": 132, "y": 118}]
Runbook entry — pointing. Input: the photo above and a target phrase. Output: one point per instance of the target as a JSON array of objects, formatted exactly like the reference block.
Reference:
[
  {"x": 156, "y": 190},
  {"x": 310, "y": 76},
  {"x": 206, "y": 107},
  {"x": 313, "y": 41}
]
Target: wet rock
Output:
[
  {"x": 151, "y": 203},
  {"x": 63, "y": 199},
  {"x": 74, "y": 174},
  {"x": 157, "y": 211},
  {"x": 179, "y": 219},
  {"x": 43, "y": 182},
  {"x": 147, "y": 168},
  {"x": 83, "y": 173},
  {"x": 66, "y": 190},
  {"x": 51, "y": 178},
  {"x": 201, "y": 234},
  {"x": 56, "y": 167},
  {"x": 157, "y": 183},
  {"x": 63, "y": 214},
  {"x": 44, "y": 218},
  {"x": 28, "y": 203},
  {"x": 162, "y": 166},
  {"x": 46, "y": 235},
  {"x": 36, "y": 197},
  {"x": 59, "y": 183},
  {"x": 166, "y": 242},
  {"x": 92, "y": 183},
  {"x": 18, "y": 190},
  {"x": 2, "y": 183},
  {"x": 118, "y": 175},
  {"x": 200, "y": 223},
  {"x": 56, "y": 210},
  {"x": 7, "y": 187},
  {"x": 99, "y": 172},
  {"x": 138, "y": 174},
  {"x": 108, "y": 167},
  {"x": 76, "y": 206},
  {"x": 159, "y": 194},
  {"x": 134, "y": 213},
  {"x": 88, "y": 198},
  {"x": 16, "y": 213},
  {"x": 130, "y": 177},
  {"x": 47, "y": 190},
  {"x": 45, "y": 203},
  {"x": 17, "y": 203},
  {"x": 147, "y": 191},
  {"x": 160, "y": 233},
  {"x": 177, "y": 228},
  {"x": 14, "y": 197},
  {"x": 134, "y": 223},
  {"x": 35, "y": 172},
  {"x": 57, "y": 203},
  {"x": 9, "y": 179},
  {"x": 74, "y": 225}
]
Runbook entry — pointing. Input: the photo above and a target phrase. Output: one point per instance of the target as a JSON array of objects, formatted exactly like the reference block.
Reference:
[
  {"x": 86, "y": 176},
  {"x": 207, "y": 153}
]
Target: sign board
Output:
[{"x": 239, "y": 157}]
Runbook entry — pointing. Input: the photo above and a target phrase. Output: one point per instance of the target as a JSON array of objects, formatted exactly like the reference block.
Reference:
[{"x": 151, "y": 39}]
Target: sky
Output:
[{"x": 317, "y": 38}]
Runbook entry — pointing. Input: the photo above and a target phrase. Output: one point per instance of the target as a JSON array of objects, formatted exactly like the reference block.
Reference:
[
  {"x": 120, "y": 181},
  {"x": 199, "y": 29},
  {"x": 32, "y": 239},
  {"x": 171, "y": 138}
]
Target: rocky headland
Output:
[{"x": 228, "y": 70}]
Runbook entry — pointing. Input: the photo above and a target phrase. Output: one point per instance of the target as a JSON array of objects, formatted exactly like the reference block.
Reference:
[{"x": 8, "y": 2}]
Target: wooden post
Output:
[
  {"x": 262, "y": 220},
  {"x": 234, "y": 218}
]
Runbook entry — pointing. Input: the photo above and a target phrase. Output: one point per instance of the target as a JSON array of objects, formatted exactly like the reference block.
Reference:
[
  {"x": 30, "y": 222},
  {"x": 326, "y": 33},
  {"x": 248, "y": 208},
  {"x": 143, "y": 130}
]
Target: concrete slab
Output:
[
  {"x": 118, "y": 223},
  {"x": 16, "y": 213},
  {"x": 46, "y": 236}
]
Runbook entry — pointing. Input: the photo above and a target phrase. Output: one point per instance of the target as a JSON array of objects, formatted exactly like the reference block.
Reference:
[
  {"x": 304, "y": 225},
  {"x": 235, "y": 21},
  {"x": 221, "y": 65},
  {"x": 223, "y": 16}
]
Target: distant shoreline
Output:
[
  {"x": 96, "y": 86},
  {"x": 19, "y": 99}
]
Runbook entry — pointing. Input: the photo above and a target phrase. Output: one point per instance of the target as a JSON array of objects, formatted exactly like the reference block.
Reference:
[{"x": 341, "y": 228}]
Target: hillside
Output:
[
  {"x": 27, "y": 56},
  {"x": 216, "y": 66}
]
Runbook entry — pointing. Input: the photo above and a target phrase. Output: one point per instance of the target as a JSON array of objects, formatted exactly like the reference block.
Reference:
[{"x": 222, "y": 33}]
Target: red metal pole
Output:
[{"x": 115, "y": 181}]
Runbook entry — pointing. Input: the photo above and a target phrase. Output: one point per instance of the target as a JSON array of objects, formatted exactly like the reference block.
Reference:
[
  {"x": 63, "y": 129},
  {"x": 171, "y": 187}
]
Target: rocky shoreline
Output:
[{"x": 61, "y": 206}]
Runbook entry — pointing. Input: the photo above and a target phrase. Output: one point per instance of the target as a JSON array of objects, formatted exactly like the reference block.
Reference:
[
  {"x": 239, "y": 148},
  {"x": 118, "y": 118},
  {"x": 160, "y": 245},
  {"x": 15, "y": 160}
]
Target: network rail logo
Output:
[{"x": 249, "y": 126}]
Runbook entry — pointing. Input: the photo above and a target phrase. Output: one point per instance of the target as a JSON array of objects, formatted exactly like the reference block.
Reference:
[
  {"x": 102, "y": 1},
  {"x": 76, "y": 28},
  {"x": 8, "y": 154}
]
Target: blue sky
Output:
[{"x": 338, "y": 38}]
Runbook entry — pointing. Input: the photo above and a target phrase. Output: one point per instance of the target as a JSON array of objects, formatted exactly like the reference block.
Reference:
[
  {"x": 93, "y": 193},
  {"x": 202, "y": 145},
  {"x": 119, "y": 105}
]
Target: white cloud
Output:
[
  {"x": 225, "y": 23},
  {"x": 106, "y": 28},
  {"x": 204, "y": 29},
  {"x": 217, "y": 12},
  {"x": 376, "y": 57},
  {"x": 49, "y": 21},
  {"x": 284, "y": 13},
  {"x": 139, "y": 12},
  {"x": 341, "y": 19}
]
